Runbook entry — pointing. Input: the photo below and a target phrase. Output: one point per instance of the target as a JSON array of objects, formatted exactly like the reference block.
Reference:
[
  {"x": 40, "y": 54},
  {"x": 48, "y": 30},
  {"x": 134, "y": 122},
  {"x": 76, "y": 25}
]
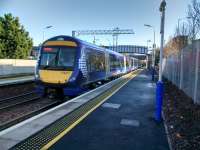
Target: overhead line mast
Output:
[{"x": 115, "y": 33}]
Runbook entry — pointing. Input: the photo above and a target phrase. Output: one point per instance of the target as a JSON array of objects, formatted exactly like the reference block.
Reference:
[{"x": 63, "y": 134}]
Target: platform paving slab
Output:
[
  {"x": 16, "y": 80},
  {"x": 128, "y": 122},
  {"x": 111, "y": 105}
]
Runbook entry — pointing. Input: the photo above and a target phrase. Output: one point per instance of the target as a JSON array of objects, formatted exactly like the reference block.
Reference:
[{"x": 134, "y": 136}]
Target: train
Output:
[{"x": 68, "y": 66}]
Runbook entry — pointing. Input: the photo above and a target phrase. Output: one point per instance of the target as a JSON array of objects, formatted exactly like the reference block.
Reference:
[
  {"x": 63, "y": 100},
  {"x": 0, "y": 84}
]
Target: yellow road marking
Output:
[{"x": 57, "y": 138}]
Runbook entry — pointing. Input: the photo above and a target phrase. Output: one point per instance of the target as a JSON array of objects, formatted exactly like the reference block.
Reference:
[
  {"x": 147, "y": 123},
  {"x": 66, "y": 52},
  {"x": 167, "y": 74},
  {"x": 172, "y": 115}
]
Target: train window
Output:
[
  {"x": 121, "y": 62},
  {"x": 48, "y": 59},
  {"x": 114, "y": 62},
  {"x": 58, "y": 57},
  {"x": 127, "y": 62},
  {"x": 91, "y": 62},
  {"x": 111, "y": 58},
  {"x": 66, "y": 57},
  {"x": 95, "y": 61}
]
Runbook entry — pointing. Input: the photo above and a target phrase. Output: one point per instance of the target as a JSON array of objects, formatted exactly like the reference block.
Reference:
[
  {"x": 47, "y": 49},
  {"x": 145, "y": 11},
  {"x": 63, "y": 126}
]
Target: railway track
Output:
[
  {"x": 21, "y": 107},
  {"x": 17, "y": 100},
  {"x": 18, "y": 108},
  {"x": 16, "y": 89}
]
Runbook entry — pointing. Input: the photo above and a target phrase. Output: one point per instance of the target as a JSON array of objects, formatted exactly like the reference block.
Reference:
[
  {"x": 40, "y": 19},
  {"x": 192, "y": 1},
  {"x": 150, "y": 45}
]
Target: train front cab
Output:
[{"x": 57, "y": 72}]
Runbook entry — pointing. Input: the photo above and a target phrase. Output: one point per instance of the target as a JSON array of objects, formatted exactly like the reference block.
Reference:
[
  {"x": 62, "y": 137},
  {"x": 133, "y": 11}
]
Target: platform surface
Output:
[{"x": 124, "y": 122}]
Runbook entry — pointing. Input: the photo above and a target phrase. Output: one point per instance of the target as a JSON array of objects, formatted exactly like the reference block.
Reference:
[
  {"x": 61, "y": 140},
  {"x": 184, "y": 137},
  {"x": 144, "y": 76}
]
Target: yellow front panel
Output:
[
  {"x": 50, "y": 76},
  {"x": 60, "y": 43}
]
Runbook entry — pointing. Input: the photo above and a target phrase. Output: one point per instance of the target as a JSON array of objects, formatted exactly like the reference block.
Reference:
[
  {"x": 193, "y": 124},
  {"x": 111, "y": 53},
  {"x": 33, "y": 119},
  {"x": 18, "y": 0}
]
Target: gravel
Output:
[
  {"x": 13, "y": 90},
  {"x": 23, "y": 110}
]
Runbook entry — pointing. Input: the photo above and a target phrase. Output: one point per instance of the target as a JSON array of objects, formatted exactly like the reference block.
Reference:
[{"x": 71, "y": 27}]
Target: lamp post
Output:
[
  {"x": 159, "y": 87},
  {"x": 153, "y": 50},
  {"x": 73, "y": 33},
  {"x": 96, "y": 40},
  {"x": 109, "y": 43},
  {"x": 148, "y": 41},
  {"x": 147, "y": 57},
  {"x": 45, "y": 28}
]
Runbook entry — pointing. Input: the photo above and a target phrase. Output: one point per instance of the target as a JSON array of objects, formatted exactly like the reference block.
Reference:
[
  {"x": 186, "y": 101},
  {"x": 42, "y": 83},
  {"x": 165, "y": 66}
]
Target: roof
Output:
[{"x": 82, "y": 43}]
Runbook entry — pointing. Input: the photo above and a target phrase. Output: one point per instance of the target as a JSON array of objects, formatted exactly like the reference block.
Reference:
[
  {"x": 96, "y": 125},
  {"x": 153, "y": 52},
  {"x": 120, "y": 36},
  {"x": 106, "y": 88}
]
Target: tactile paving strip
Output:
[{"x": 40, "y": 139}]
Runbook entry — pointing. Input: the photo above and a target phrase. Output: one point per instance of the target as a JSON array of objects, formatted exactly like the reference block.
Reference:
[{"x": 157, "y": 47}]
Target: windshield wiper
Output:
[{"x": 45, "y": 67}]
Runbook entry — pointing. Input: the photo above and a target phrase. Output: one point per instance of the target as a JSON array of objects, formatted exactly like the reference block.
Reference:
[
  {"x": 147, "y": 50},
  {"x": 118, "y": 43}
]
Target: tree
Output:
[
  {"x": 182, "y": 30},
  {"x": 175, "y": 45},
  {"x": 15, "y": 42},
  {"x": 194, "y": 19}
]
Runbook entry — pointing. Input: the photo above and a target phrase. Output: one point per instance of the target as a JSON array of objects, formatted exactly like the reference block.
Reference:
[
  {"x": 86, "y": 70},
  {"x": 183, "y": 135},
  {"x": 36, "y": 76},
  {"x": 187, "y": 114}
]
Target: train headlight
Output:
[
  {"x": 72, "y": 79},
  {"x": 37, "y": 76}
]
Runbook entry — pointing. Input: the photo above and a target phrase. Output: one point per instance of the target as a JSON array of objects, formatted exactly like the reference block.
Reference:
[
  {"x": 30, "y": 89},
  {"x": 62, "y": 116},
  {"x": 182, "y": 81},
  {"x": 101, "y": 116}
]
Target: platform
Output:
[
  {"x": 124, "y": 122},
  {"x": 16, "y": 80},
  {"x": 117, "y": 115}
]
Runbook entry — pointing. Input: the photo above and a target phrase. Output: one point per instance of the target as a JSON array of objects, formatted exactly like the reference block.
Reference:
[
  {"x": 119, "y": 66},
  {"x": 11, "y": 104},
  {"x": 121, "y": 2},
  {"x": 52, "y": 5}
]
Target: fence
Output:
[
  {"x": 183, "y": 70},
  {"x": 16, "y": 66}
]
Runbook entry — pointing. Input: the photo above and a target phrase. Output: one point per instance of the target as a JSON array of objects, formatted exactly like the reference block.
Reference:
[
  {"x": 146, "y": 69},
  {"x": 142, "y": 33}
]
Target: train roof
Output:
[{"x": 82, "y": 43}]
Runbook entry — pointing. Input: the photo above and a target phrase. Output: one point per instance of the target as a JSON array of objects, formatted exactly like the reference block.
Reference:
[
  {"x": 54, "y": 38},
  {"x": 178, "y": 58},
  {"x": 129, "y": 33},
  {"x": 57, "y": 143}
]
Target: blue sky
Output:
[{"x": 68, "y": 15}]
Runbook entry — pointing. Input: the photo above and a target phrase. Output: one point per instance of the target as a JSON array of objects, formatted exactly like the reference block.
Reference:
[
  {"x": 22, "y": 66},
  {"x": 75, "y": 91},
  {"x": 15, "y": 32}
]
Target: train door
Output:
[
  {"x": 125, "y": 70},
  {"x": 107, "y": 63}
]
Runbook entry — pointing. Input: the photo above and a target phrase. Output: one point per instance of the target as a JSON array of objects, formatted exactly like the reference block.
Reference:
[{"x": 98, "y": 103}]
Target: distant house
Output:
[{"x": 34, "y": 51}]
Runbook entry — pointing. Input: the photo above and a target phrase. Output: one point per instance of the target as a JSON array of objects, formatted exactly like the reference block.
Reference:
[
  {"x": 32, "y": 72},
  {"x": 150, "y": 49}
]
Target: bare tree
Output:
[
  {"x": 182, "y": 30},
  {"x": 194, "y": 19},
  {"x": 175, "y": 45}
]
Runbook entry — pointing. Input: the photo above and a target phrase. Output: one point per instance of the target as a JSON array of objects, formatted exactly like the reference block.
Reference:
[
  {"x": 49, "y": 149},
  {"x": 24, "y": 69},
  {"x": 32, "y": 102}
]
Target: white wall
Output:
[{"x": 16, "y": 66}]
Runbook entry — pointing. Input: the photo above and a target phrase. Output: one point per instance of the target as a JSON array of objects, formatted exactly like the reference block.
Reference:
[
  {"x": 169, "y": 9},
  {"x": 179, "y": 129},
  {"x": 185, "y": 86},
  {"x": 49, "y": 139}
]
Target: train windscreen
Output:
[{"x": 57, "y": 57}]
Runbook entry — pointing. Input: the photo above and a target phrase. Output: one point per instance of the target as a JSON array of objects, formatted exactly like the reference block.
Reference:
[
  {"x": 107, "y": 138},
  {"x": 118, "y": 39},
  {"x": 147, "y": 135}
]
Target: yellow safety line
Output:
[{"x": 52, "y": 142}]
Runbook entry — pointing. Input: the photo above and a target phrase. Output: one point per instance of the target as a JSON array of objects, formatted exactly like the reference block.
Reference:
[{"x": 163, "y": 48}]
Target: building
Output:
[{"x": 34, "y": 51}]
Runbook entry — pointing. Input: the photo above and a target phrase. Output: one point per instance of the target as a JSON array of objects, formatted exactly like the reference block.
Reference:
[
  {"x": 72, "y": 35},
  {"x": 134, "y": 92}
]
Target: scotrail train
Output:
[{"x": 67, "y": 66}]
